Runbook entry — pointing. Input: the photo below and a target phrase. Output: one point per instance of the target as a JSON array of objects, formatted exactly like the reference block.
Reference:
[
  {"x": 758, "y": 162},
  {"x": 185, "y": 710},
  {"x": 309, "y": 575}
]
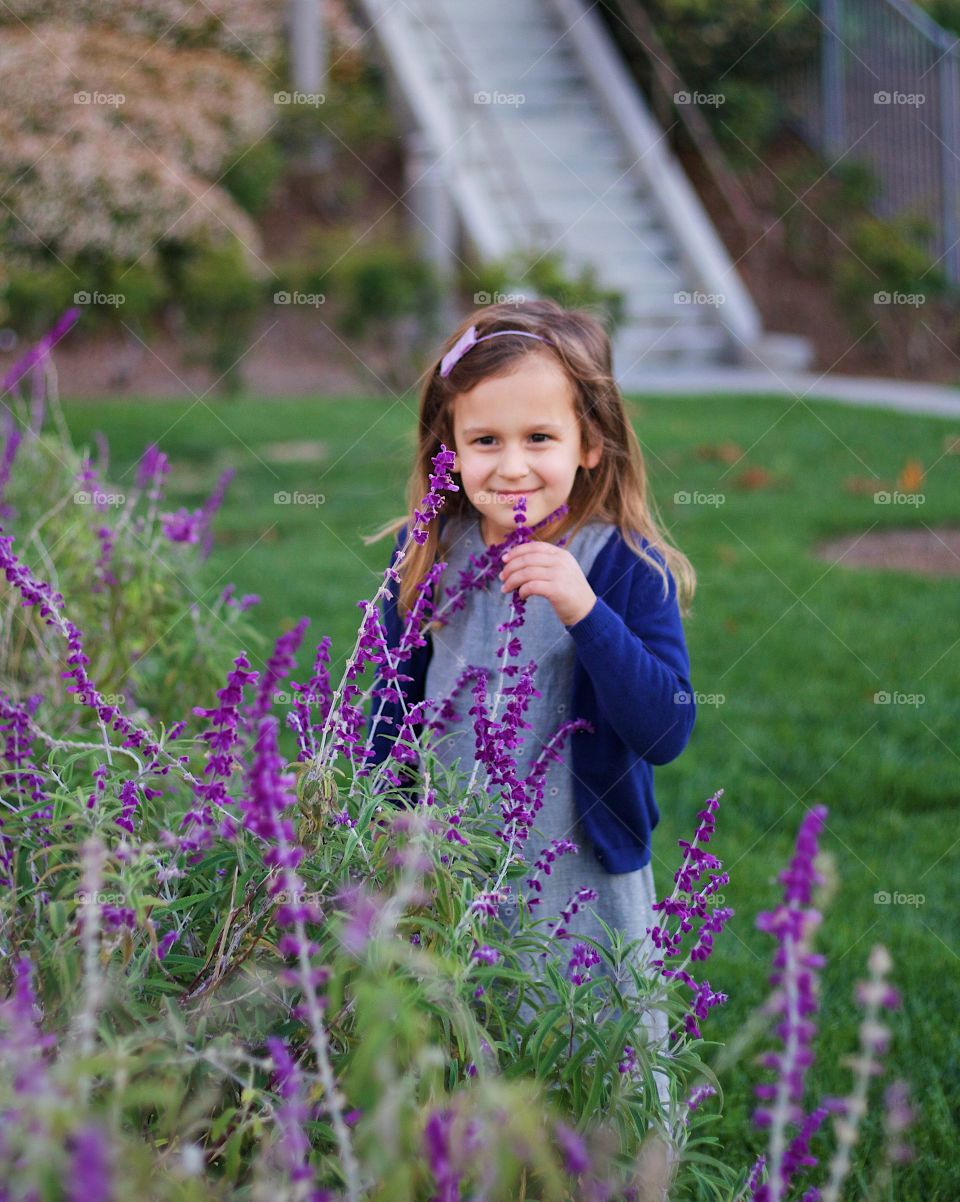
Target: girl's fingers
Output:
[
  {"x": 534, "y": 586},
  {"x": 519, "y": 579},
  {"x": 533, "y": 560}
]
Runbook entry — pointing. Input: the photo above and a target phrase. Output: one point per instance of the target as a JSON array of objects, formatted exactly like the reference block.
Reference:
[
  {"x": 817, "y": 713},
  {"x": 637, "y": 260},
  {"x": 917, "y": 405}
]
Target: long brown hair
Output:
[{"x": 615, "y": 490}]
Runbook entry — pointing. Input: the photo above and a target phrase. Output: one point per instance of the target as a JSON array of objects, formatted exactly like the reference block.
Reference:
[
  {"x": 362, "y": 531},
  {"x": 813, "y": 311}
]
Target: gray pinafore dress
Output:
[{"x": 470, "y": 638}]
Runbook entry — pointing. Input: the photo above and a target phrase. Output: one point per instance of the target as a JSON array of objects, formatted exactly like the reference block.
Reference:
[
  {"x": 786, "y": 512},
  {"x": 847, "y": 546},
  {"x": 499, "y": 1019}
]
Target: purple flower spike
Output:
[
  {"x": 440, "y": 481},
  {"x": 182, "y": 526},
  {"x": 89, "y": 1179},
  {"x": 576, "y": 1159},
  {"x": 437, "y": 1144}
]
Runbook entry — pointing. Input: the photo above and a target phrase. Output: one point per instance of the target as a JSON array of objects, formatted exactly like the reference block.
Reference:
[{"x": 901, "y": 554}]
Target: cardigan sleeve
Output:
[{"x": 639, "y": 665}]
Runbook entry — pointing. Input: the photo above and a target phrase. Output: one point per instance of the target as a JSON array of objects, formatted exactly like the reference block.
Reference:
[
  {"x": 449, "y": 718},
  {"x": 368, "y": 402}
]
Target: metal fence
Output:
[{"x": 885, "y": 90}]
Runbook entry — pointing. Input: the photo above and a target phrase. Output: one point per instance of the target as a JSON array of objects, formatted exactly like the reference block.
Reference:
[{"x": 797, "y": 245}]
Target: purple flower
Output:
[
  {"x": 573, "y": 906},
  {"x": 898, "y": 1116},
  {"x": 151, "y": 469},
  {"x": 11, "y": 445},
  {"x": 753, "y": 1179},
  {"x": 695, "y": 906},
  {"x": 279, "y": 666},
  {"x": 221, "y": 739},
  {"x": 629, "y": 1061},
  {"x": 795, "y": 987},
  {"x": 583, "y": 959},
  {"x": 488, "y": 903},
  {"x": 210, "y": 507},
  {"x": 485, "y": 955},
  {"x": 576, "y": 1160},
  {"x": 316, "y": 694},
  {"x": 89, "y": 1178},
  {"x": 183, "y": 526},
  {"x": 437, "y": 1147},
  {"x": 115, "y": 917},
  {"x": 129, "y": 801},
  {"x": 39, "y": 351},
  {"x": 103, "y": 576},
  {"x": 362, "y": 908},
  {"x": 166, "y": 943},
  {"x": 557, "y": 848},
  {"x": 698, "y": 1095},
  {"x": 22, "y": 1046},
  {"x": 440, "y": 481},
  {"x": 292, "y": 1115},
  {"x": 35, "y": 592},
  {"x": 22, "y": 780}
]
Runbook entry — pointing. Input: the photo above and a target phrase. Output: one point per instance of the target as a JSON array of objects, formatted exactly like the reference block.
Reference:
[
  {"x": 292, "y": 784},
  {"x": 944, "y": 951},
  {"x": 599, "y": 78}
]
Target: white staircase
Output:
[{"x": 541, "y": 141}]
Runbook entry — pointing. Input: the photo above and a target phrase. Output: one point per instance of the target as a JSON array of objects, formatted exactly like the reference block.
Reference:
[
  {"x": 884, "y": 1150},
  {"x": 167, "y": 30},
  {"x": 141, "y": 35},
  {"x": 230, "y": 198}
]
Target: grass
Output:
[{"x": 796, "y": 648}]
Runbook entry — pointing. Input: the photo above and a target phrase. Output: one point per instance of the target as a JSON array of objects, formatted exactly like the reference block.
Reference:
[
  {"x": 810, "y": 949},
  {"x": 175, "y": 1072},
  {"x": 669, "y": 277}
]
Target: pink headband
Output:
[{"x": 469, "y": 339}]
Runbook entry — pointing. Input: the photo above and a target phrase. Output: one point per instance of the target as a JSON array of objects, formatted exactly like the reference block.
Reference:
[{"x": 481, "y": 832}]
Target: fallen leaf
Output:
[
  {"x": 911, "y": 477},
  {"x": 754, "y": 477},
  {"x": 723, "y": 452}
]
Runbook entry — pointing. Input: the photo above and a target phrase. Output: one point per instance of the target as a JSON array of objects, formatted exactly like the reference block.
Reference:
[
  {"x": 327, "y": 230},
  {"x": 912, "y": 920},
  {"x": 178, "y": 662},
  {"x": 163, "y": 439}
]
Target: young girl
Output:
[{"x": 525, "y": 396}]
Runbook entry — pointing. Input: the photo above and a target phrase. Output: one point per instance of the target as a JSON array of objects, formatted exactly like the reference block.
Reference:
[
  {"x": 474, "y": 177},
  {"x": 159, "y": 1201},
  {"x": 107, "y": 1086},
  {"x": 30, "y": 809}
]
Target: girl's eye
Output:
[{"x": 485, "y": 436}]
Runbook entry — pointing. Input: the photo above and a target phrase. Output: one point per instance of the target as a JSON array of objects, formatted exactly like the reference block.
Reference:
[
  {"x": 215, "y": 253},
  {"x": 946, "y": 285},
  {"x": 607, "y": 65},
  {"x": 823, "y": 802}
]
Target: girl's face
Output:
[{"x": 518, "y": 433}]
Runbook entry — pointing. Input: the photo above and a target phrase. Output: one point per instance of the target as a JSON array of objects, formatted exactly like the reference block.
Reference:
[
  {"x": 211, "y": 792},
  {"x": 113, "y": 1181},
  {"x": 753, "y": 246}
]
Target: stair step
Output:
[
  {"x": 554, "y": 171},
  {"x": 633, "y": 346}
]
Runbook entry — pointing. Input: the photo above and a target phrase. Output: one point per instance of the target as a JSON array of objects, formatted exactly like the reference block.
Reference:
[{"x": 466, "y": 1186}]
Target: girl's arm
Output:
[{"x": 640, "y": 667}]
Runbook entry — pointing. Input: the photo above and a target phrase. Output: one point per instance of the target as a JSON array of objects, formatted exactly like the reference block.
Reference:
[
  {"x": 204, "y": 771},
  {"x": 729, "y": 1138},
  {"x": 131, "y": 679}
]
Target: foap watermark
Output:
[
  {"x": 98, "y": 498},
  {"x": 87, "y": 897},
  {"x": 685, "y": 698},
  {"x": 297, "y": 897},
  {"x": 498, "y": 498},
  {"x": 113, "y": 99},
  {"x": 899, "y": 498},
  {"x": 113, "y": 299},
  {"x": 716, "y": 499},
  {"x": 913, "y": 299},
  {"x": 499, "y": 298},
  {"x": 315, "y": 499},
  {"x": 115, "y": 699},
  {"x": 895, "y": 698},
  {"x": 699, "y": 298},
  {"x": 709, "y": 99},
  {"x": 316, "y": 299},
  {"x": 883, "y": 898},
  {"x": 304, "y": 697},
  {"x": 312, "y": 99},
  {"x": 911, "y": 99},
  {"x": 511, "y": 99}
]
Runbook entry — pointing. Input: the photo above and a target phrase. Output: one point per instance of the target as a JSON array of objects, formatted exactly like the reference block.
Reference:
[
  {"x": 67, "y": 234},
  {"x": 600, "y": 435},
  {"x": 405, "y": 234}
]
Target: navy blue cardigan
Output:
[{"x": 631, "y": 680}]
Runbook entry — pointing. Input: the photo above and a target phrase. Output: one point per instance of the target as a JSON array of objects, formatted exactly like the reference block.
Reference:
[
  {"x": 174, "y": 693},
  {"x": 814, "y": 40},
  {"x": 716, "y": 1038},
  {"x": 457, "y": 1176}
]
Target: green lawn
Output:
[{"x": 796, "y": 648}]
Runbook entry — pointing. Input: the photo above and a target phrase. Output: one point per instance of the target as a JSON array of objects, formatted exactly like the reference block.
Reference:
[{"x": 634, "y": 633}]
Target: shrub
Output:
[
  {"x": 546, "y": 275},
  {"x": 205, "y": 1000},
  {"x": 221, "y": 298}
]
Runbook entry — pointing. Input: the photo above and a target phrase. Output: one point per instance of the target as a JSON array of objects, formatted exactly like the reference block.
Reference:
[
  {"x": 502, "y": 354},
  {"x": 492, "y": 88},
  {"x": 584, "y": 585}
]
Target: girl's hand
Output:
[{"x": 543, "y": 569}]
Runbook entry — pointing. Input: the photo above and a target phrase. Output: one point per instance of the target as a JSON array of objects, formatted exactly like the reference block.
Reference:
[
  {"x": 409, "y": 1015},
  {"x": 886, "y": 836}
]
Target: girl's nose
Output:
[{"x": 513, "y": 463}]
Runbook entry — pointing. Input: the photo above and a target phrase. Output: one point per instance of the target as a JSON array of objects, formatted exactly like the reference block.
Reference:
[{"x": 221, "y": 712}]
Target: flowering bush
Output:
[
  {"x": 228, "y": 976},
  {"x": 246, "y": 29},
  {"x": 120, "y": 551},
  {"x": 119, "y": 180}
]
